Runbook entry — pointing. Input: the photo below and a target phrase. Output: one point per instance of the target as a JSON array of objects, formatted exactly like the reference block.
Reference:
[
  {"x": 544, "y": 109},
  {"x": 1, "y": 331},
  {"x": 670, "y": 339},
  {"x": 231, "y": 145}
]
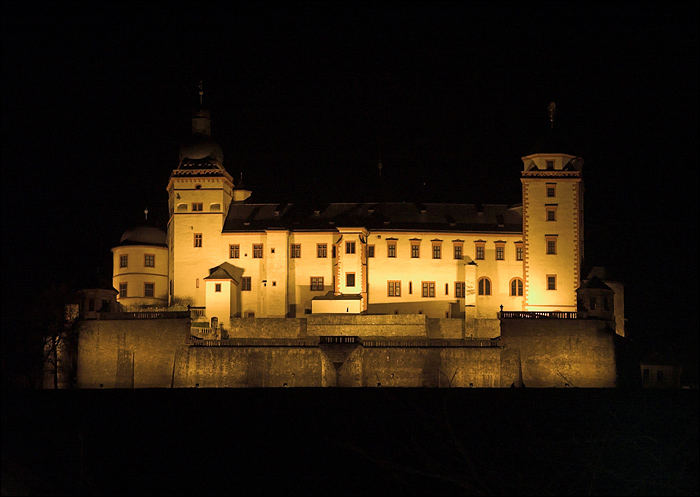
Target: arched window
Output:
[
  {"x": 484, "y": 286},
  {"x": 516, "y": 287}
]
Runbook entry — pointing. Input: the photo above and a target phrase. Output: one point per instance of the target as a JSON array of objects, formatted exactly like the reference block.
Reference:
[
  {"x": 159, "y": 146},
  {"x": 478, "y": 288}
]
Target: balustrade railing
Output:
[
  {"x": 145, "y": 315},
  {"x": 538, "y": 315},
  {"x": 328, "y": 340}
]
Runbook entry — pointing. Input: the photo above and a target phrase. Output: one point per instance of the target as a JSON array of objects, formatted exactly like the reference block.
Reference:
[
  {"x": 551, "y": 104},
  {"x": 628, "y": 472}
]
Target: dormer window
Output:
[{"x": 550, "y": 165}]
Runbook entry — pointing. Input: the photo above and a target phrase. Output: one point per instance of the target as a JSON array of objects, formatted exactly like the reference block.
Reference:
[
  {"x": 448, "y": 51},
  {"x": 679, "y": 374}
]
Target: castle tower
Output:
[
  {"x": 552, "y": 223},
  {"x": 200, "y": 191}
]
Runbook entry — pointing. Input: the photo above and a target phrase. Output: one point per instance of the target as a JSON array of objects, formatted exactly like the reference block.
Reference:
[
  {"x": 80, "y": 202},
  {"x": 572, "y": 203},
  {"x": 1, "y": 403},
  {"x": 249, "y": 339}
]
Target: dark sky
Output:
[{"x": 305, "y": 97}]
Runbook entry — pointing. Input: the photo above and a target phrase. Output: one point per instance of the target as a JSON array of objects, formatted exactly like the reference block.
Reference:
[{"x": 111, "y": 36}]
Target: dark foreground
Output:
[{"x": 332, "y": 441}]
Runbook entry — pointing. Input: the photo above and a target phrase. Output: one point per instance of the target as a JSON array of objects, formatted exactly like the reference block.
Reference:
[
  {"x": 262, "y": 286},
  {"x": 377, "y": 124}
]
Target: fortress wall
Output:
[
  {"x": 487, "y": 328},
  {"x": 553, "y": 352},
  {"x": 431, "y": 367},
  {"x": 432, "y": 309},
  {"x": 445, "y": 328},
  {"x": 391, "y": 325},
  {"x": 228, "y": 367},
  {"x": 267, "y": 328},
  {"x": 126, "y": 353}
]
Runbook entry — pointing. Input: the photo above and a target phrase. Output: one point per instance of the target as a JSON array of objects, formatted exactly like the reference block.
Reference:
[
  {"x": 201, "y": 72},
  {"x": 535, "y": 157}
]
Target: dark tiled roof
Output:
[
  {"x": 225, "y": 271},
  {"x": 375, "y": 216},
  {"x": 595, "y": 282}
]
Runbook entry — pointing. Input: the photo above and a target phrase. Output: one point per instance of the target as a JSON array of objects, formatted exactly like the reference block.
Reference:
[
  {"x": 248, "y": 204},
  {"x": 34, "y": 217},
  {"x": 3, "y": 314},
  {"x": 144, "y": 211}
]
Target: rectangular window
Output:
[
  {"x": 428, "y": 289},
  {"x": 149, "y": 260},
  {"x": 410, "y": 287},
  {"x": 659, "y": 376},
  {"x": 217, "y": 287},
  {"x": 321, "y": 250},
  {"x": 437, "y": 250},
  {"x": 123, "y": 261},
  {"x": 551, "y": 190},
  {"x": 196, "y": 283},
  {"x": 415, "y": 250},
  {"x": 551, "y": 246},
  {"x": 480, "y": 249},
  {"x": 197, "y": 239},
  {"x": 349, "y": 247},
  {"x": 551, "y": 213},
  {"x": 122, "y": 290},
  {"x": 197, "y": 206},
  {"x": 333, "y": 255},
  {"x": 391, "y": 249},
  {"x": 447, "y": 288},
  {"x": 550, "y": 165},
  {"x": 148, "y": 289},
  {"x": 257, "y": 250},
  {"x": 295, "y": 251},
  {"x": 457, "y": 249},
  {"x": 370, "y": 250},
  {"x": 459, "y": 289},
  {"x": 519, "y": 252},
  {"x": 91, "y": 305},
  {"x": 551, "y": 282},
  {"x": 393, "y": 288},
  {"x": 591, "y": 303},
  {"x": 349, "y": 279},
  {"x": 245, "y": 284},
  {"x": 316, "y": 283},
  {"x": 234, "y": 251},
  {"x": 500, "y": 252}
]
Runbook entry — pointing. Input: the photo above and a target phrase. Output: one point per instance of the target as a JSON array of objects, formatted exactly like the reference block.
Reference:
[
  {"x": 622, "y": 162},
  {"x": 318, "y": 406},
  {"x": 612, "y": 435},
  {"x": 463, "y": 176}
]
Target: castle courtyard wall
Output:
[{"x": 393, "y": 350}]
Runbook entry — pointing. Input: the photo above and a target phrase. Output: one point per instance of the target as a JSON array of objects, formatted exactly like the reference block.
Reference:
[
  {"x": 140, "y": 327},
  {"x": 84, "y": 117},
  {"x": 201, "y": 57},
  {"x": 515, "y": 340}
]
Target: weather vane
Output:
[
  {"x": 551, "y": 109},
  {"x": 201, "y": 91},
  {"x": 145, "y": 213}
]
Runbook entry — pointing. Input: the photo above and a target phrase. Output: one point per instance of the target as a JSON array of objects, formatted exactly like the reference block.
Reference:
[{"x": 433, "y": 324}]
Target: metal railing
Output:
[
  {"x": 145, "y": 315},
  {"x": 328, "y": 340},
  {"x": 538, "y": 315}
]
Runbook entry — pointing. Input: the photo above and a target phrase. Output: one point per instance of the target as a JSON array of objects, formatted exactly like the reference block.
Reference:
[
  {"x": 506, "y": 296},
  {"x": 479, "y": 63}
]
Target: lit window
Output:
[
  {"x": 551, "y": 246},
  {"x": 428, "y": 289},
  {"x": 480, "y": 250},
  {"x": 349, "y": 279},
  {"x": 437, "y": 250},
  {"x": 295, "y": 251},
  {"x": 415, "y": 250},
  {"x": 316, "y": 283},
  {"x": 459, "y": 289},
  {"x": 551, "y": 190},
  {"x": 217, "y": 287},
  {"x": 197, "y": 206},
  {"x": 321, "y": 250},
  {"x": 123, "y": 261},
  {"x": 516, "y": 287},
  {"x": 149, "y": 260},
  {"x": 391, "y": 249},
  {"x": 519, "y": 252},
  {"x": 457, "y": 248},
  {"x": 257, "y": 250},
  {"x": 245, "y": 284},
  {"x": 393, "y": 289},
  {"x": 122, "y": 290},
  {"x": 349, "y": 247},
  {"x": 484, "y": 286},
  {"x": 500, "y": 251},
  {"x": 551, "y": 282},
  {"x": 234, "y": 251},
  {"x": 197, "y": 239},
  {"x": 370, "y": 250}
]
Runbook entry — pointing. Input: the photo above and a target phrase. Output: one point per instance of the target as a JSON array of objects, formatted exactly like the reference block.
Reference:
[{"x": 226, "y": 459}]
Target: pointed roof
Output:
[
  {"x": 225, "y": 271},
  {"x": 595, "y": 282}
]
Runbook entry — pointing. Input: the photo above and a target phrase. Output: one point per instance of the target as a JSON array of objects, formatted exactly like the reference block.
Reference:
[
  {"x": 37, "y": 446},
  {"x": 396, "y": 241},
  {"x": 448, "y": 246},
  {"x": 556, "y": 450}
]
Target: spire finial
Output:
[
  {"x": 379, "y": 167},
  {"x": 201, "y": 91},
  {"x": 551, "y": 109},
  {"x": 145, "y": 213}
]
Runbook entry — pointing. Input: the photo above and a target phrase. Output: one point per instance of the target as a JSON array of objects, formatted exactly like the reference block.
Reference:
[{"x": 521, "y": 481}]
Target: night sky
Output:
[{"x": 305, "y": 99}]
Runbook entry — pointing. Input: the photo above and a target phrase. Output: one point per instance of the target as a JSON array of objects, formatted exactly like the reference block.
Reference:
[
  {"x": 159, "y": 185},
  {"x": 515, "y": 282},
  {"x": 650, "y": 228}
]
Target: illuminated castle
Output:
[
  {"x": 238, "y": 293},
  {"x": 236, "y": 258}
]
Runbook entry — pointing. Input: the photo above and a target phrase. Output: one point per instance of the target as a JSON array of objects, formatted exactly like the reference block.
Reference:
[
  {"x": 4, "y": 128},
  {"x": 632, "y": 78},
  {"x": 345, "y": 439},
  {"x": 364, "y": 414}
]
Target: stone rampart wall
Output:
[
  {"x": 557, "y": 352},
  {"x": 367, "y": 324},
  {"x": 267, "y": 328}
]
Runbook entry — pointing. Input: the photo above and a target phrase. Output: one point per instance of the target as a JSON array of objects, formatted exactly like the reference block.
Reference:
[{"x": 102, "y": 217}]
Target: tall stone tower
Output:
[
  {"x": 552, "y": 223},
  {"x": 200, "y": 191}
]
